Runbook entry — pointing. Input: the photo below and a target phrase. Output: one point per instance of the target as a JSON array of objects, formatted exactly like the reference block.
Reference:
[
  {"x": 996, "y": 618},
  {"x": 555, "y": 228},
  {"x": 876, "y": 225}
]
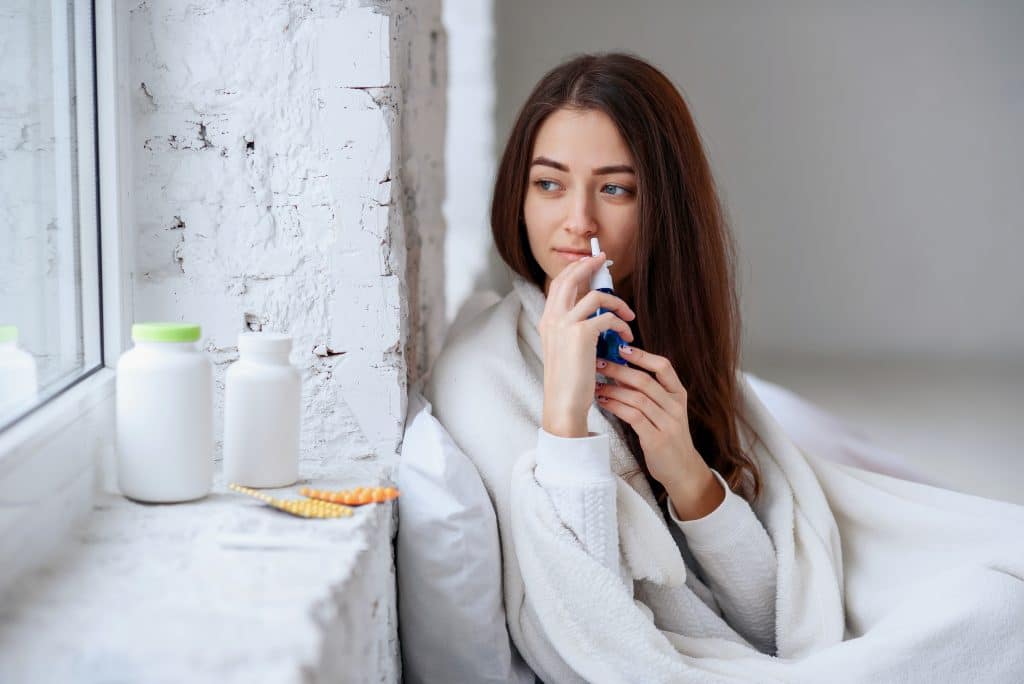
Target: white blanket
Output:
[{"x": 878, "y": 578}]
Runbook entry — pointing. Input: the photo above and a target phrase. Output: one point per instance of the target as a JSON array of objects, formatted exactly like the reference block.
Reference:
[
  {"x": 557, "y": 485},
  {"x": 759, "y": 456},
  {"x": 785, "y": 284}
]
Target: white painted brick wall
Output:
[{"x": 288, "y": 176}]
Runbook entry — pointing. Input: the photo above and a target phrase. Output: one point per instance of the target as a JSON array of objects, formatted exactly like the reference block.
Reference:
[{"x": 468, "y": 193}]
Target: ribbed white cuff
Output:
[
  {"x": 720, "y": 525},
  {"x": 572, "y": 460}
]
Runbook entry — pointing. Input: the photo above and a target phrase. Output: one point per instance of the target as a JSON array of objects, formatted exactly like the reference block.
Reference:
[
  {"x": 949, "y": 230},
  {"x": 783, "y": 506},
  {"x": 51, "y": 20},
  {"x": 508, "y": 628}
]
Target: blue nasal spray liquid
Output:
[{"x": 609, "y": 340}]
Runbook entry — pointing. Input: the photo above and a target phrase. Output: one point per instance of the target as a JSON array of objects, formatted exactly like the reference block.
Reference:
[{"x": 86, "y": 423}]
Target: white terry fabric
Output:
[
  {"x": 877, "y": 578},
  {"x": 734, "y": 553}
]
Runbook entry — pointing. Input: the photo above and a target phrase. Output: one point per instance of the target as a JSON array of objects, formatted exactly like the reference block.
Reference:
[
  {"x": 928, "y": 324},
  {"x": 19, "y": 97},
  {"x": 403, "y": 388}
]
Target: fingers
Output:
[
  {"x": 567, "y": 284},
  {"x": 594, "y": 299},
  {"x": 638, "y": 401},
  {"x": 644, "y": 428},
  {"x": 609, "y": 321},
  {"x": 659, "y": 365},
  {"x": 639, "y": 380}
]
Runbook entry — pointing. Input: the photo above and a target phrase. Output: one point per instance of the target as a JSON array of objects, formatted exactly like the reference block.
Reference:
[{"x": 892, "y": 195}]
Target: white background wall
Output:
[
  {"x": 870, "y": 156},
  {"x": 469, "y": 167}
]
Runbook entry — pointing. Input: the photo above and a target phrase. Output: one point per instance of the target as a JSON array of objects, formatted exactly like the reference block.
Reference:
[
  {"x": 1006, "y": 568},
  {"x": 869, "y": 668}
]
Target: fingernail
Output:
[
  {"x": 602, "y": 363},
  {"x": 625, "y": 350}
]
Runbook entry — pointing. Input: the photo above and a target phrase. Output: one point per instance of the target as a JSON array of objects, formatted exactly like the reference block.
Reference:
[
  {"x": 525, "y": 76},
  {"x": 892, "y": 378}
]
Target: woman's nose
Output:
[{"x": 581, "y": 217}]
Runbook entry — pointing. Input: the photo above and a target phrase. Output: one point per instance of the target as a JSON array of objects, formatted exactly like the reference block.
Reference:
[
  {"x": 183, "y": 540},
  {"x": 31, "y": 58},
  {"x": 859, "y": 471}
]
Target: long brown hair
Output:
[{"x": 685, "y": 298}]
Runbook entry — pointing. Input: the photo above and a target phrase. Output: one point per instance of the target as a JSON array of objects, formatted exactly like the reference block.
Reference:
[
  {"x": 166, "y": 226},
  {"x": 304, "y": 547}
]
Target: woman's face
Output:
[{"x": 582, "y": 184}]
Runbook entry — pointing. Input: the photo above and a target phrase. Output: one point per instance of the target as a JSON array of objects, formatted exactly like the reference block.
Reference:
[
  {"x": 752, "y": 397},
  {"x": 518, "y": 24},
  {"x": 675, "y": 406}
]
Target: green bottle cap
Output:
[{"x": 165, "y": 332}]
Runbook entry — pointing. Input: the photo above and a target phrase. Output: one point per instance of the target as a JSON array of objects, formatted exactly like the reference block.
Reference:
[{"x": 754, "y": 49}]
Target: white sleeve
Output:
[
  {"x": 576, "y": 472},
  {"x": 739, "y": 564}
]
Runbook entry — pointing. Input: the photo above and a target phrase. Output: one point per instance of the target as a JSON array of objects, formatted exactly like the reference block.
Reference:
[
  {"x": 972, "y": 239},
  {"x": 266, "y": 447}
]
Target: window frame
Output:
[
  {"x": 81, "y": 298},
  {"x": 62, "y": 449}
]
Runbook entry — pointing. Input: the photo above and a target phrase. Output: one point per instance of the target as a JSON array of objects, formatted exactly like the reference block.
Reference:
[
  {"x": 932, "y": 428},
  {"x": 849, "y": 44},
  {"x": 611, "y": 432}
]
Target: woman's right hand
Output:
[{"x": 570, "y": 344}]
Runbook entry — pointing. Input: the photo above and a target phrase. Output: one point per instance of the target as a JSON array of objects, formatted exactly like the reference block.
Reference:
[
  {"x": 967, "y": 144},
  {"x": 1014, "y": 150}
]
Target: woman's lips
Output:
[{"x": 571, "y": 256}]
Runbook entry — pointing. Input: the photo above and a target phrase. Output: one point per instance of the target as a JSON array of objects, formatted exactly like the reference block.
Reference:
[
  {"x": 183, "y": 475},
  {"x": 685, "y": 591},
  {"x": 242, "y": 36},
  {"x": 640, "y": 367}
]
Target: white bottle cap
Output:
[
  {"x": 602, "y": 278},
  {"x": 264, "y": 343}
]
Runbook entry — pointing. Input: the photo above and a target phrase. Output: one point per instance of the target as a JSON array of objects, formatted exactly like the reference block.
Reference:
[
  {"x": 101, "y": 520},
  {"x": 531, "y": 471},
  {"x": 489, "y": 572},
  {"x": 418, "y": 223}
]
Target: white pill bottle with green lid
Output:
[
  {"x": 262, "y": 405},
  {"x": 164, "y": 415}
]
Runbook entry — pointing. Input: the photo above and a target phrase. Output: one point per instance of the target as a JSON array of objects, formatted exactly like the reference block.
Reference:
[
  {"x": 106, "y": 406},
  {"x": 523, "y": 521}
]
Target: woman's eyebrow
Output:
[
  {"x": 617, "y": 168},
  {"x": 544, "y": 161},
  {"x": 599, "y": 171}
]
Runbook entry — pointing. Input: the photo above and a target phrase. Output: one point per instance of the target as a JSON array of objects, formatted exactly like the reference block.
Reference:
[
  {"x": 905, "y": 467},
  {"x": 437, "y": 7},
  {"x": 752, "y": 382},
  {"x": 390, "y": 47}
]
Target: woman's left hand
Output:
[{"x": 655, "y": 406}]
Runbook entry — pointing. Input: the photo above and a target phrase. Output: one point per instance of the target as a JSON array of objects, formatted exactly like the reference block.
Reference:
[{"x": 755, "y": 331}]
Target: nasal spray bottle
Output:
[{"x": 608, "y": 342}]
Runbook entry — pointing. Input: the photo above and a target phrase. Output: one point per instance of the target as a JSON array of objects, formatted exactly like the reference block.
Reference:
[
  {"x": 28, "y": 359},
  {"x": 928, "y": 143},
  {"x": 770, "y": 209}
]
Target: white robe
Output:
[{"x": 728, "y": 549}]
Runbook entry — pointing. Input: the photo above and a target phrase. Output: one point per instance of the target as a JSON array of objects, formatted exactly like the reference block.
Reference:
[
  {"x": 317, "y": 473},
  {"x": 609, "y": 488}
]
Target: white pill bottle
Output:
[
  {"x": 164, "y": 415},
  {"x": 19, "y": 381},
  {"x": 262, "y": 405}
]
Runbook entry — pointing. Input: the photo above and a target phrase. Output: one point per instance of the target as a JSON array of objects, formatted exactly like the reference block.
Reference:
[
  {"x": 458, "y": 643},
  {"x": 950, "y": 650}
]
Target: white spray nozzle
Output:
[
  {"x": 595, "y": 249},
  {"x": 602, "y": 277}
]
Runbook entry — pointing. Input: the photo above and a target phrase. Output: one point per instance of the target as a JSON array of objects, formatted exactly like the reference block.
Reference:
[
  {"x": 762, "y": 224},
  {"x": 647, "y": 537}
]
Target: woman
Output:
[{"x": 745, "y": 557}]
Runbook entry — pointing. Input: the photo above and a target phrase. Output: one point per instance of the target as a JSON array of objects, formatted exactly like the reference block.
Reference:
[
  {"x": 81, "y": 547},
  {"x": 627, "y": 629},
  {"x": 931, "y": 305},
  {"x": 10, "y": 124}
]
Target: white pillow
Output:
[{"x": 451, "y": 613}]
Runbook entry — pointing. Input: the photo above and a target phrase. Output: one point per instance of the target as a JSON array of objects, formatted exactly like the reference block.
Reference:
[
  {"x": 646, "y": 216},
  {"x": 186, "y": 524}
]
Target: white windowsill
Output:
[
  {"x": 48, "y": 463},
  {"x": 220, "y": 589}
]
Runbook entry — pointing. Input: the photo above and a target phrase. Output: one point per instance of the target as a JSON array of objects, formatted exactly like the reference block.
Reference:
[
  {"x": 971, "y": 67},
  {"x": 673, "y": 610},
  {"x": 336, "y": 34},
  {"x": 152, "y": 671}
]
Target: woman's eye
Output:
[
  {"x": 546, "y": 185},
  {"x": 616, "y": 190}
]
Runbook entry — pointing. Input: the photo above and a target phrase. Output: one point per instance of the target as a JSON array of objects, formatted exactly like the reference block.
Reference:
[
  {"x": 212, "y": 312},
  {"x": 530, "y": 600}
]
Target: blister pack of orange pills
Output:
[
  {"x": 303, "y": 508},
  {"x": 352, "y": 497}
]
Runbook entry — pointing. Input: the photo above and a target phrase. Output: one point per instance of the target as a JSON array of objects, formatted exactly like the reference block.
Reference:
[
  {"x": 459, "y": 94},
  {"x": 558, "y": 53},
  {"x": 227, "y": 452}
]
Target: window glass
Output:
[{"x": 49, "y": 269}]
